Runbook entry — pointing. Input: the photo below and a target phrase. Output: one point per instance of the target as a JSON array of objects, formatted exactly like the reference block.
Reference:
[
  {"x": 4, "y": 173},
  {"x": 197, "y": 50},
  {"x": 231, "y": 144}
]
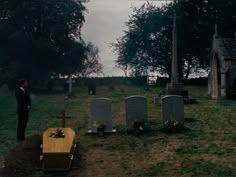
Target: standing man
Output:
[{"x": 23, "y": 108}]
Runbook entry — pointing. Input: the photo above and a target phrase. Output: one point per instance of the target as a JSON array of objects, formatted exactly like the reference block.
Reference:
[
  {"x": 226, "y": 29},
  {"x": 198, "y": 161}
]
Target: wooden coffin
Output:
[{"x": 57, "y": 153}]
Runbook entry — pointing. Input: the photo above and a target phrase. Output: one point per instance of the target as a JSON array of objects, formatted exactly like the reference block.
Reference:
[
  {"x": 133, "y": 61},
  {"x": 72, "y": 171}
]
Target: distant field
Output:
[{"x": 207, "y": 149}]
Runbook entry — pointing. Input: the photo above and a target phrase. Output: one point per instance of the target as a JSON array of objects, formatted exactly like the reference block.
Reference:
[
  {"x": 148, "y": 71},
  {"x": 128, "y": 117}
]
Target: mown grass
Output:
[{"x": 206, "y": 149}]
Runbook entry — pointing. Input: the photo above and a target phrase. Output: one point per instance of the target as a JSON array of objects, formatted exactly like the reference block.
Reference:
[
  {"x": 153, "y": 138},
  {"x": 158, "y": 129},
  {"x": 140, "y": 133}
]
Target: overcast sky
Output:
[{"x": 104, "y": 23}]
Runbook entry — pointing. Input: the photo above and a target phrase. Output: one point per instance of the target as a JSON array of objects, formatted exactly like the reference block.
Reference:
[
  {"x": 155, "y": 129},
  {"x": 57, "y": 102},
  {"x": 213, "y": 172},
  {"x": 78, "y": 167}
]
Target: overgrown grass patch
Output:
[
  {"x": 206, "y": 168},
  {"x": 206, "y": 148}
]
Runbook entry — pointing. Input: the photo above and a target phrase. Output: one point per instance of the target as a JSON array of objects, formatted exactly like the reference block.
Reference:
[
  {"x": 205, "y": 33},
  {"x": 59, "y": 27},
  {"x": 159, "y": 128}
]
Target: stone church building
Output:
[{"x": 222, "y": 76}]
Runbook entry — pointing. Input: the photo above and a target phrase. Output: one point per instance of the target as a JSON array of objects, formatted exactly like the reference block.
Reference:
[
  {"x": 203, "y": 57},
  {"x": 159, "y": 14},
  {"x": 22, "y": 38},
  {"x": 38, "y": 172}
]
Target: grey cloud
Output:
[{"x": 104, "y": 24}]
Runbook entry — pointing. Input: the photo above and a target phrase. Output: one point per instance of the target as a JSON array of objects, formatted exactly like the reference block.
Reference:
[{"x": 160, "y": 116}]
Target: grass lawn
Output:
[{"x": 207, "y": 149}]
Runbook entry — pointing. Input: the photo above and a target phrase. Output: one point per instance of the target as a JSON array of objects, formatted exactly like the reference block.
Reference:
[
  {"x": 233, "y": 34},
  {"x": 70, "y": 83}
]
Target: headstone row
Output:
[{"x": 100, "y": 111}]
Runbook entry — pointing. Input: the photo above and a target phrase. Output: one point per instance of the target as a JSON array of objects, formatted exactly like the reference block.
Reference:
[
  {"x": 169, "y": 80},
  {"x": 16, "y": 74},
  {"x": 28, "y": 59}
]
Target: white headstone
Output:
[
  {"x": 173, "y": 109},
  {"x": 136, "y": 110},
  {"x": 101, "y": 113}
]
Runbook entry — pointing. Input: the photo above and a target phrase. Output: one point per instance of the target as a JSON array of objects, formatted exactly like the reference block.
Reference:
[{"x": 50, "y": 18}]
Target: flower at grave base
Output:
[
  {"x": 99, "y": 124},
  {"x": 138, "y": 125},
  {"x": 175, "y": 123},
  {"x": 171, "y": 124},
  {"x": 140, "y": 128}
]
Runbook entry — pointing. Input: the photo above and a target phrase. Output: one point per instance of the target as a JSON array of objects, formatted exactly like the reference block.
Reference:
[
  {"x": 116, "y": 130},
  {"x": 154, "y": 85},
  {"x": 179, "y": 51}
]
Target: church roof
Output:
[{"x": 226, "y": 47}]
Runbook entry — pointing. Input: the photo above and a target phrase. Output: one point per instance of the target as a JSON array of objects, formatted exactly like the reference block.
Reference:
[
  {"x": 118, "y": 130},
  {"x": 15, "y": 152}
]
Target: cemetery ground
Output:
[{"x": 206, "y": 149}]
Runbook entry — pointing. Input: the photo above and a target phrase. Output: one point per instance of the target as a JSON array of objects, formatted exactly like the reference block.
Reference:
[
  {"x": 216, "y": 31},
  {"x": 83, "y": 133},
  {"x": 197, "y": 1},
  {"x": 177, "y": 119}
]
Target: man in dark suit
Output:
[{"x": 23, "y": 108}]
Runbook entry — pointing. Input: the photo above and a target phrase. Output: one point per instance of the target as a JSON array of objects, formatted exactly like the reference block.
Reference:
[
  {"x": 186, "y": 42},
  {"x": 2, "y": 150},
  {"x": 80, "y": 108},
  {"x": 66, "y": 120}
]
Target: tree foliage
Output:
[
  {"x": 39, "y": 38},
  {"x": 92, "y": 63},
  {"x": 196, "y": 28},
  {"x": 147, "y": 43},
  {"x": 140, "y": 47}
]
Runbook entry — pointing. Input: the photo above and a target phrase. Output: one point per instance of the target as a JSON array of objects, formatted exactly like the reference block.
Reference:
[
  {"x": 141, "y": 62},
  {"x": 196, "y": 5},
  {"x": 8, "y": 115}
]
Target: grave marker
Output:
[
  {"x": 136, "y": 111},
  {"x": 173, "y": 110},
  {"x": 101, "y": 115},
  {"x": 63, "y": 117}
]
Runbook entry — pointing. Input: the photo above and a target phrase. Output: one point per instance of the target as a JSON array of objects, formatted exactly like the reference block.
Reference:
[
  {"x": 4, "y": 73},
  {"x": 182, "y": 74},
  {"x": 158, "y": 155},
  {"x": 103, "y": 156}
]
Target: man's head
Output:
[{"x": 23, "y": 83}]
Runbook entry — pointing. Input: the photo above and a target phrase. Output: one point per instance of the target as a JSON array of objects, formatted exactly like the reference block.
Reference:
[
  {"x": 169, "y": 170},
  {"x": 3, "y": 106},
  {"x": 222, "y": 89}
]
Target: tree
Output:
[
  {"x": 197, "y": 26},
  {"x": 91, "y": 64},
  {"x": 39, "y": 38},
  {"x": 146, "y": 45}
]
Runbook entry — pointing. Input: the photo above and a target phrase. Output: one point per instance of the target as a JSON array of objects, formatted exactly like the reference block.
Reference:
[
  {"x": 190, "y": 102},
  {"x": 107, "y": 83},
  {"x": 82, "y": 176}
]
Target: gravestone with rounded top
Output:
[
  {"x": 100, "y": 111},
  {"x": 173, "y": 110},
  {"x": 136, "y": 110}
]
